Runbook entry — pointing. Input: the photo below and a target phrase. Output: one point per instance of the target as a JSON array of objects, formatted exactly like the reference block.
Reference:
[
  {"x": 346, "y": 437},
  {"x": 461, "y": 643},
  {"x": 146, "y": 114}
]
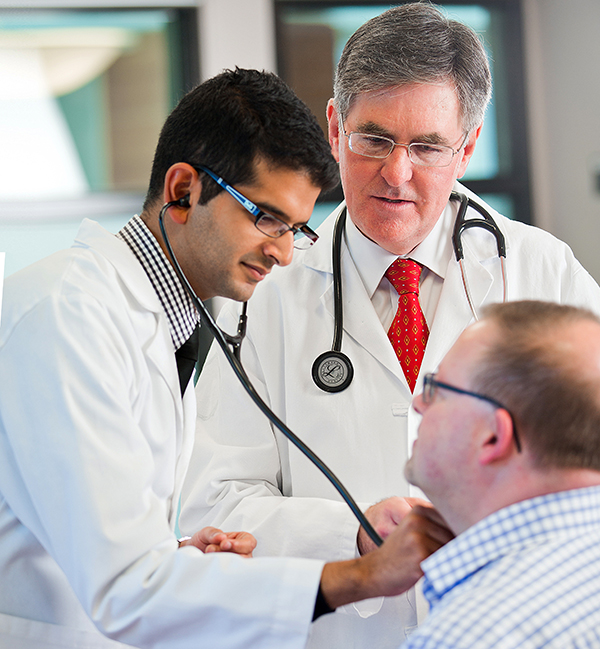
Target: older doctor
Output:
[
  {"x": 409, "y": 83},
  {"x": 96, "y": 424}
]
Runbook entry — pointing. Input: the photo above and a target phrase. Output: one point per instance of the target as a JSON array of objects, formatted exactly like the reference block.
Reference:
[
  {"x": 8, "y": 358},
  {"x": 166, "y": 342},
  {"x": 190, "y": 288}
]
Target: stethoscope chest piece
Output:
[{"x": 332, "y": 371}]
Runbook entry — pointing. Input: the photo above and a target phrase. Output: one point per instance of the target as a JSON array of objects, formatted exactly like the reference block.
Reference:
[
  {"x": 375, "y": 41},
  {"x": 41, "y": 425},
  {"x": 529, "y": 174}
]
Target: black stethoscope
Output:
[
  {"x": 332, "y": 371},
  {"x": 233, "y": 357}
]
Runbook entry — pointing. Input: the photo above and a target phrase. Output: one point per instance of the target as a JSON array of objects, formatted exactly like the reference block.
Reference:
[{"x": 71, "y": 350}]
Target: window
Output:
[
  {"x": 83, "y": 95},
  {"x": 311, "y": 36}
]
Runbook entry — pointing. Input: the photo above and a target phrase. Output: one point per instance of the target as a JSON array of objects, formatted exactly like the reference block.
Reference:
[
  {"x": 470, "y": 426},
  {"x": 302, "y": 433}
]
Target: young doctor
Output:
[
  {"x": 409, "y": 99},
  {"x": 96, "y": 424}
]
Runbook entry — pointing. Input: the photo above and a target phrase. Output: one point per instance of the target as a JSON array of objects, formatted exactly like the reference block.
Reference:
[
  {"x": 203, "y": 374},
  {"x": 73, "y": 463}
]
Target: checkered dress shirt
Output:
[
  {"x": 527, "y": 576},
  {"x": 177, "y": 304}
]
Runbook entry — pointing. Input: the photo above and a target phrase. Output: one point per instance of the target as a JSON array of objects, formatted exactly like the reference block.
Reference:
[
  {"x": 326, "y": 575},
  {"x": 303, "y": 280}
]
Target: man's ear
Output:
[
  {"x": 468, "y": 151},
  {"x": 499, "y": 443},
  {"x": 333, "y": 128},
  {"x": 182, "y": 188}
]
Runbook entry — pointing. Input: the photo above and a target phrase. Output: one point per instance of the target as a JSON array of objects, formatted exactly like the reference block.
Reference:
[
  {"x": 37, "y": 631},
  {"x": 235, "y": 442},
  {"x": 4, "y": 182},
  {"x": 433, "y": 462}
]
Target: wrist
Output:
[{"x": 344, "y": 582}]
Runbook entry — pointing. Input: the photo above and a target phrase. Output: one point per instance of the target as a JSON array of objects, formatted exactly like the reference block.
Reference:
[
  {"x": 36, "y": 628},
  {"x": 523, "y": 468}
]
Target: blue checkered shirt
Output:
[{"x": 527, "y": 576}]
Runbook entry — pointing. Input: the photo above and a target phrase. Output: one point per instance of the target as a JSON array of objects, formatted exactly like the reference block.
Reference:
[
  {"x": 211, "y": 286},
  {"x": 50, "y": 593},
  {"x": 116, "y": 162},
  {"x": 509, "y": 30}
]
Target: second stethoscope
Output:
[{"x": 332, "y": 371}]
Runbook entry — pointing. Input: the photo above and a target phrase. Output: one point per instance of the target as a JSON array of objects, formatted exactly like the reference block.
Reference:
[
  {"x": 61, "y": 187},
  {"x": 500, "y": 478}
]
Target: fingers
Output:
[
  {"x": 384, "y": 516},
  {"x": 425, "y": 531},
  {"x": 428, "y": 512},
  {"x": 212, "y": 539},
  {"x": 242, "y": 543},
  {"x": 413, "y": 502},
  {"x": 364, "y": 542},
  {"x": 206, "y": 537}
]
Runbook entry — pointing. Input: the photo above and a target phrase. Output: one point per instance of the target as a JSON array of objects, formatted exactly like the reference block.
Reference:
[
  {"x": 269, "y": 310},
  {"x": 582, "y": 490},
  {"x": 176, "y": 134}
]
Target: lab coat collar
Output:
[
  {"x": 93, "y": 236},
  {"x": 319, "y": 256},
  {"x": 484, "y": 277},
  {"x": 435, "y": 251},
  {"x": 370, "y": 259}
]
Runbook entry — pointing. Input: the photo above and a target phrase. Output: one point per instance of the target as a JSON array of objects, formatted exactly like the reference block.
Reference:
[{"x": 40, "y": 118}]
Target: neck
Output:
[{"x": 504, "y": 490}]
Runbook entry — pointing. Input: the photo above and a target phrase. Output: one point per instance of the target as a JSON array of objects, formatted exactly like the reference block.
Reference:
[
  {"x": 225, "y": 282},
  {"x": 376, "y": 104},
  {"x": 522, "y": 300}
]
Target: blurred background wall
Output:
[
  {"x": 85, "y": 87},
  {"x": 562, "y": 48}
]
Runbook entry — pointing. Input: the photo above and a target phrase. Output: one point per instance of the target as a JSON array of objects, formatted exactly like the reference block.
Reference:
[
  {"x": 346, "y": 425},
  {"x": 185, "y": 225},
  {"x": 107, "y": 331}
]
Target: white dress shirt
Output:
[{"x": 371, "y": 260}]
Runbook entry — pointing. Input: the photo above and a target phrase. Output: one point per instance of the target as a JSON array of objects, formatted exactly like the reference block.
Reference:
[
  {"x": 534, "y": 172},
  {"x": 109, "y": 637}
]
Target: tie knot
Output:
[{"x": 404, "y": 275}]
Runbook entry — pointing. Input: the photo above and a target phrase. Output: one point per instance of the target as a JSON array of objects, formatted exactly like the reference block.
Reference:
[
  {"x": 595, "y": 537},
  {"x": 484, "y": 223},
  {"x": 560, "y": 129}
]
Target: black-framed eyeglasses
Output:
[
  {"x": 268, "y": 224},
  {"x": 431, "y": 384},
  {"x": 419, "y": 153}
]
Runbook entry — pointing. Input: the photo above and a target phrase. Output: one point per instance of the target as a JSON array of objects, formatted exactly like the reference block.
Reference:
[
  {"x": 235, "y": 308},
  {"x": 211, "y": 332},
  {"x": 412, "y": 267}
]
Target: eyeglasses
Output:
[
  {"x": 419, "y": 153},
  {"x": 431, "y": 384},
  {"x": 268, "y": 224}
]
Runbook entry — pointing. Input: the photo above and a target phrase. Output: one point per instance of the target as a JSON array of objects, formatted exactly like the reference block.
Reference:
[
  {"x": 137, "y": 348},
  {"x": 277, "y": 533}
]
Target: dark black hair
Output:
[{"x": 231, "y": 120}]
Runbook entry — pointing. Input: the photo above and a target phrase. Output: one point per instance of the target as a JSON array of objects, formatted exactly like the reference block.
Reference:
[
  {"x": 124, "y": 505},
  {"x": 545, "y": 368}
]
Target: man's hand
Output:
[
  {"x": 211, "y": 539},
  {"x": 385, "y": 516},
  {"x": 394, "y": 567}
]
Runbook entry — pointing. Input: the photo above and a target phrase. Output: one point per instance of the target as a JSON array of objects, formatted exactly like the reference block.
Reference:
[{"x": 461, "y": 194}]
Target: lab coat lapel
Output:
[
  {"x": 453, "y": 313},
  {"x": 141, "y": 293},
  {"x": 360, "y": 320}
]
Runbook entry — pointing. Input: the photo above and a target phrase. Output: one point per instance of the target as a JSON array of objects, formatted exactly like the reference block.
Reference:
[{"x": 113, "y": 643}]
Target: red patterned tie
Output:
[{"x": 408, "y": 332}]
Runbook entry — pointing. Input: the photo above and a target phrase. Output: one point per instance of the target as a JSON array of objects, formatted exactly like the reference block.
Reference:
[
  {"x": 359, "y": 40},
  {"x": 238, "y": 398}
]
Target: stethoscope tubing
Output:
[
  {"x": 234, "y": 361},
  {"x": 338, "y": 309},
  {"x": 486, "y": 222},
  {"x": 461, "y": 224}
]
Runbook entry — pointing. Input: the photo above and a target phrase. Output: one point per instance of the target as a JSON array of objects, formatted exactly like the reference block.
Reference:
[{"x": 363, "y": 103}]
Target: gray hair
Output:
[{"x": 415, "y": 43}]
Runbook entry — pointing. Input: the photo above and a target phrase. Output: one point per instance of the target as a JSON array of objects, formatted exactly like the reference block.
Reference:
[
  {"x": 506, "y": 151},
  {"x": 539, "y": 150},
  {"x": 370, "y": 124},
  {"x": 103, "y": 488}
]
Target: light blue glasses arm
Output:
[{"x": 240, "y": 198}]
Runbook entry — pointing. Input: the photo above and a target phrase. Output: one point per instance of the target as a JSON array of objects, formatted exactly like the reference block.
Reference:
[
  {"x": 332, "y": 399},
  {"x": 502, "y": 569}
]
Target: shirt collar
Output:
[
  {"x": 181, "y": 313},
  {"x": 371, "y": 260},
  {"x": 435, "y": 251}
]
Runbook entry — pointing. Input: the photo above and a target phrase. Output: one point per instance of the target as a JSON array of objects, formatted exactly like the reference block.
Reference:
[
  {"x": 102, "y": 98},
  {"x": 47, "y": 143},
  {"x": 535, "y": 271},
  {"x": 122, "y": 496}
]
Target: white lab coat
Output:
[
  {"x": 94, "y": 445},
  {"x": 242, "y": 474}
]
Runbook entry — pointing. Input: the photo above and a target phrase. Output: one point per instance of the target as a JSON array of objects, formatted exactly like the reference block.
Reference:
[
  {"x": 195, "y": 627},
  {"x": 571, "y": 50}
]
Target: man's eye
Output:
[
  {"x": 427, "y": 149},
  {"x": 269, "y": 221},
  {"x": 272, "y": 225},
  {"x": 375, "y": 141}
]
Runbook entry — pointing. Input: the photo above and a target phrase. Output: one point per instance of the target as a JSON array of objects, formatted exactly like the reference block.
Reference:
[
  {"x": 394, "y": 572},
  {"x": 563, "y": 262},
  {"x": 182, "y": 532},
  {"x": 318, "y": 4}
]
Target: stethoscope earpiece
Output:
[{"x": 184, "y": 201}]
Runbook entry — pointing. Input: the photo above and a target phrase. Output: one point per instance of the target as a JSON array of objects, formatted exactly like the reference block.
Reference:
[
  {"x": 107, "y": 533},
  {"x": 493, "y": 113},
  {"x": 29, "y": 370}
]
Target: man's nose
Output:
[
  {"x": 418, "y": 403},
  {"x": 281, "y": 249},
  {"x": 397, "y": 167}
]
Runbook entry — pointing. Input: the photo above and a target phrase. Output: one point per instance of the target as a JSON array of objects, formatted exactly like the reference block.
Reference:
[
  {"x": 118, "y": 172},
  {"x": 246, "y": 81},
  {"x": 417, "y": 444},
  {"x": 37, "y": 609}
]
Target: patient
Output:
[{"x": 509, "y": 453}]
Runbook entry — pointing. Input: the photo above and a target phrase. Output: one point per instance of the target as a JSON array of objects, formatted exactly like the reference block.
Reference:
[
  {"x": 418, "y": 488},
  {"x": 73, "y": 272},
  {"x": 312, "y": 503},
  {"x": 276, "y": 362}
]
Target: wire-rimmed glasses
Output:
[{"x": 419, "y": 153}]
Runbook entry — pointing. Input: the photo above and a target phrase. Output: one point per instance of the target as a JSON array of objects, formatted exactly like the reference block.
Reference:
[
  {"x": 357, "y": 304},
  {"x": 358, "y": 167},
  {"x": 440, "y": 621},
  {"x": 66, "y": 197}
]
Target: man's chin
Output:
[
  {"x": 241, "y": 293},
  {"x": 409, "y": 473}
]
